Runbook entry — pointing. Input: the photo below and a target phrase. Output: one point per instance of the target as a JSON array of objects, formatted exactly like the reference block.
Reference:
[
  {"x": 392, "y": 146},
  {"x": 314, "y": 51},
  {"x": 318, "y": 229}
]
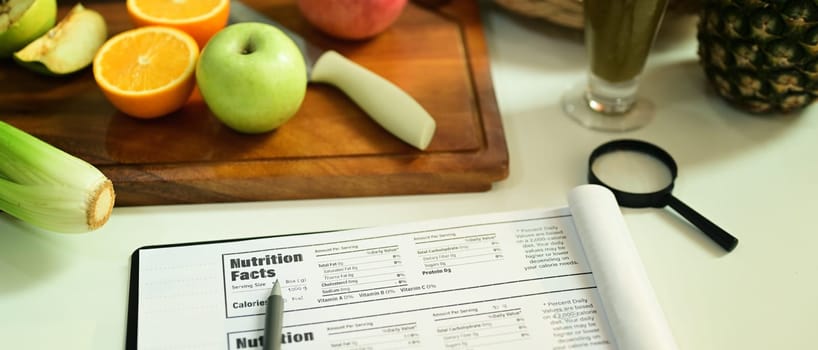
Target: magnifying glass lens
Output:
[{"x": 632, "y": 171}]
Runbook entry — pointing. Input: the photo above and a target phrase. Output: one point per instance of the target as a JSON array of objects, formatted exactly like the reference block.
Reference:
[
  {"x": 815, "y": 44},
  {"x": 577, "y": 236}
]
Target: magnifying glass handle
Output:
[{"x": 721, "y": 237}]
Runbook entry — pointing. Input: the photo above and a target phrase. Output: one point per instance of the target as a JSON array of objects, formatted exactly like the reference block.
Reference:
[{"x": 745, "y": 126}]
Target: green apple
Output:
[
  {"x": 252, "y": 77},
  {"x": 22, "y": 21},
  {"x": 69, "y": 46}
]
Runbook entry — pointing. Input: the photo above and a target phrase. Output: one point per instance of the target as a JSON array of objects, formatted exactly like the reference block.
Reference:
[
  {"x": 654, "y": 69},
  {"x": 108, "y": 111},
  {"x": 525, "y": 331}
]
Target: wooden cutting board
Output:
[{"x": 436, "y": 52}]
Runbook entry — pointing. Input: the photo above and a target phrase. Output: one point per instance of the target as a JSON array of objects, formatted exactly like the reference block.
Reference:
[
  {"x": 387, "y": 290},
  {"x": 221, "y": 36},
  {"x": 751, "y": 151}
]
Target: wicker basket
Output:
[{"x": 568, "y": 13}]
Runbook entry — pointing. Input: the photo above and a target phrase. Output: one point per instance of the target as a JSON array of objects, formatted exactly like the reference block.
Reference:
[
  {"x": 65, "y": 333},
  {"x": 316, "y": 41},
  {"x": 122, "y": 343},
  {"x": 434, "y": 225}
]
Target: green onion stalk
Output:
[{"x": 49, "y": 188}]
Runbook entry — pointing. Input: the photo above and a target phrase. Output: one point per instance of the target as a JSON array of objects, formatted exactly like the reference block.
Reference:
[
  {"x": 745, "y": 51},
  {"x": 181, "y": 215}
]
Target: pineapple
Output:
[{"x": 761, "y": 55}]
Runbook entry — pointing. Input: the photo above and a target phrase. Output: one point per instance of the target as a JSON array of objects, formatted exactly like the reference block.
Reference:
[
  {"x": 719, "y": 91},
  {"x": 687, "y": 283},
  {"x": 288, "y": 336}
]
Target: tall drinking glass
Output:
[{"x": 618, "y": 37}]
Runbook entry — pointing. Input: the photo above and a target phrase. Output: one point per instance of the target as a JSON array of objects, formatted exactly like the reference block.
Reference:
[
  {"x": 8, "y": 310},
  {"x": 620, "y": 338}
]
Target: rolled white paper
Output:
[{"x": 635, "y": 316}]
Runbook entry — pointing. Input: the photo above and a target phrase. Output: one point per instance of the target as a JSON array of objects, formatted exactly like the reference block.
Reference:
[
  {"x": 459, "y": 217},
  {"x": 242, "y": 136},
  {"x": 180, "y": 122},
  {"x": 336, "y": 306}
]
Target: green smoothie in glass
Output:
[{"x": 619, "y": 34}]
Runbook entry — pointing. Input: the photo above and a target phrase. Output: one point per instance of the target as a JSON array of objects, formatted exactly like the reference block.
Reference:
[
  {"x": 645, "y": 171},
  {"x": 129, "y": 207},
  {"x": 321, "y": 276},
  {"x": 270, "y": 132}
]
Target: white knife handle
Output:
[{"x": 387, "y": 104}]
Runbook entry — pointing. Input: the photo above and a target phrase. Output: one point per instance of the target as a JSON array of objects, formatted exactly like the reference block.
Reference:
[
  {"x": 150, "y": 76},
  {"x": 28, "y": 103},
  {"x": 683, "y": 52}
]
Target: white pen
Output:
[{"x": 273, "y": 319}]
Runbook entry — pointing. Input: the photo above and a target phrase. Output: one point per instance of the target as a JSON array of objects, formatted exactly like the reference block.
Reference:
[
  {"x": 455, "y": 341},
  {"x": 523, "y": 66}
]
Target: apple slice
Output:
[
  {"x": 21, "y": 21},
  {"x": 69, "y": 46}
]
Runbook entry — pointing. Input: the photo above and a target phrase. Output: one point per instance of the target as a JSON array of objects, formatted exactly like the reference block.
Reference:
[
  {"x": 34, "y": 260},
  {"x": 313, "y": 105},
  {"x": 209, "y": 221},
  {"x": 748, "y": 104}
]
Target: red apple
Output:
[{"x": 351, "y": 19}]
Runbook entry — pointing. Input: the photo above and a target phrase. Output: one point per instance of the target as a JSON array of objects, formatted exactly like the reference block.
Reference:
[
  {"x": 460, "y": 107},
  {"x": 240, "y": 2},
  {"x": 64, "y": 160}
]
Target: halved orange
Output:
[
  {"x": 147, "y": 72},
  {"x": 199, "y": 18}
]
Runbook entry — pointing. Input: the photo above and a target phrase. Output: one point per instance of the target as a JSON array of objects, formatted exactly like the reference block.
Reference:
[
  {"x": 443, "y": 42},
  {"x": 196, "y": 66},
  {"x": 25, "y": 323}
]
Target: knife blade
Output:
[{"x": 384, "y": 102}]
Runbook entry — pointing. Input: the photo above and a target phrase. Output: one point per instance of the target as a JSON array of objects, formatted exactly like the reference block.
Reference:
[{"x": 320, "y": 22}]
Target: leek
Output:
[{"x": 46, "y": 187}]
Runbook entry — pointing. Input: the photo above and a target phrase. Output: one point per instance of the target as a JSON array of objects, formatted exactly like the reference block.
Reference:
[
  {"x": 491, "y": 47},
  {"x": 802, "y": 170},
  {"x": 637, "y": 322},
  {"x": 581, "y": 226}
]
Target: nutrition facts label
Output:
[{"x": 485, "y": 282}]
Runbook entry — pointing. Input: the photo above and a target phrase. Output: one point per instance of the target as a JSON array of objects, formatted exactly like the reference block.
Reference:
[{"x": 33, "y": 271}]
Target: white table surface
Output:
[{"x": 756, "y": 177}]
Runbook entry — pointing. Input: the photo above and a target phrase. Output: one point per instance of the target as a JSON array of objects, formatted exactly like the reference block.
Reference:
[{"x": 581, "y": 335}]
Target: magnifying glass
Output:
[{"x": 641, "y": 175}]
